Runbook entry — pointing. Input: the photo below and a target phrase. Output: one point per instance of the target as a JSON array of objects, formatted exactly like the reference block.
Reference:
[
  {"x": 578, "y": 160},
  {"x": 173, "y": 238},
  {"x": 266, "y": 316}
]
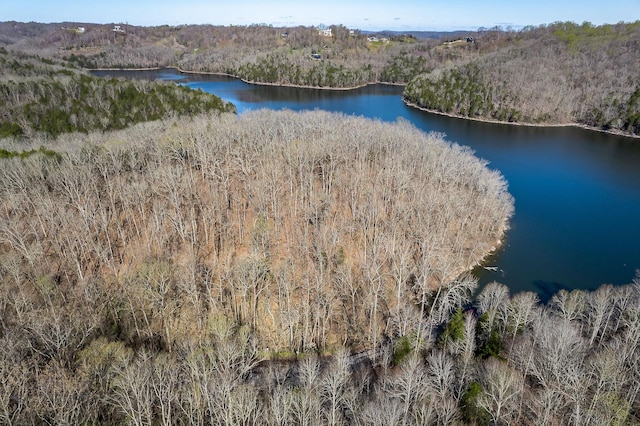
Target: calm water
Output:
[{"x": 577, "y": 192}]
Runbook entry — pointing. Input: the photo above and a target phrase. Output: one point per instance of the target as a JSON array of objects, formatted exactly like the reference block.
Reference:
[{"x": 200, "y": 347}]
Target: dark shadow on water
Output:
[{"x": 546, "y": 289}]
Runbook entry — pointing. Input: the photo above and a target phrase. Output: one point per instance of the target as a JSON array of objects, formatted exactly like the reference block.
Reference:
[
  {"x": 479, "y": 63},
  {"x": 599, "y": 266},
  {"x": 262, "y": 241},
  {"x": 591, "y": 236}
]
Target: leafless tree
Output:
[{"x": 502, "y": 389}]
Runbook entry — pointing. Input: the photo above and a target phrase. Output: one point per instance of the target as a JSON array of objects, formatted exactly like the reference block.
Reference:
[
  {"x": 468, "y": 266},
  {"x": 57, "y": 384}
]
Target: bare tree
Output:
[
  {"x": 335, "y": 388},
  {"x": 132, "y": 392},
  {"x": 520, "y": 311},
  {"x": 408, "y": 386},
  {"x": 307, "y": 408},
  {"x": 599, "y": 308},
  {"x": 492, "y": 300},
  {"x": 502, "y": 389}
]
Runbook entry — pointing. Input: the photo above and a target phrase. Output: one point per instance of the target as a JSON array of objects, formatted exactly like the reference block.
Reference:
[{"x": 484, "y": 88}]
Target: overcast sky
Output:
[{"x": 360, "y": 14}]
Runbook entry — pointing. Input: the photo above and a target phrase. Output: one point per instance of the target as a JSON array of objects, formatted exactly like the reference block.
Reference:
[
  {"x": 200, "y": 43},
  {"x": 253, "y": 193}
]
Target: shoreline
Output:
[
  {"x": 497, "y": 245},
  {"x": 296, "y": 86},
  {"x": 255, "y": 83},
  {"x": 410, "y": 104},
  {"x": 511, "y": 123},
  {"x": 124, "y": 69}
]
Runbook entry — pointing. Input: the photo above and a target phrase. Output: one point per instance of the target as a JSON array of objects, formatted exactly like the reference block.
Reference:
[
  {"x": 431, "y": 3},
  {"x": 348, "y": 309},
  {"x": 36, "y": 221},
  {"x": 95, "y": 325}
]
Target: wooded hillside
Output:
[
  {"x": 562, "y": 73},
  {"x": 147, "y": 275},
  {"x": 298, "y": 55},
  {"x": 314, "y": 229},
  {"x": 40, "y": 95}
]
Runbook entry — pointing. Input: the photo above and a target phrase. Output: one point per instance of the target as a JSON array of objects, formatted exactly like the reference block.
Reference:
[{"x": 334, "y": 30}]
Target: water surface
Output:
[{"x": 577, "y": 192}]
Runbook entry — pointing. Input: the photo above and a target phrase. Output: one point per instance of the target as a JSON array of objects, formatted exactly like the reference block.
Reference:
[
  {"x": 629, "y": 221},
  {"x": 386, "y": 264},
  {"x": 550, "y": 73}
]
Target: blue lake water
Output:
[{"x": 577, "y": 192}]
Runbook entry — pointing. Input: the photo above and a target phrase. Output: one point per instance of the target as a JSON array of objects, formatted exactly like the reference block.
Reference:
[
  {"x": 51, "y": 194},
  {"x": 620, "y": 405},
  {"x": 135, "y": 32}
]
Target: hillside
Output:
[
  {"x": 294, "y": 220},
  {"x": 559, "y": 74},
  {"x": 228, "y": 269},
  {"x": 45, "y": 96},
  {"x": 298, "y": 55}
]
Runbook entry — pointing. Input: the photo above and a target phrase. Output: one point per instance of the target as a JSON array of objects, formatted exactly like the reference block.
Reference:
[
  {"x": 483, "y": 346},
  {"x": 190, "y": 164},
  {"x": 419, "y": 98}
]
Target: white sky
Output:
[{"x": 361, "y": 14}]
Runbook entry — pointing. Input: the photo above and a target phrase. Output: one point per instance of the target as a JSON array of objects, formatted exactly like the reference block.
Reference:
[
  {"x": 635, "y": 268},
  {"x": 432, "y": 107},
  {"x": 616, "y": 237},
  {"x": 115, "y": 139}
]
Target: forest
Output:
[
  {"x": 285, "y": 268},
  {"x": 44, "y": 96},
  {"x": 561, "y": 73},
  {"x": 194, "y": 266}
]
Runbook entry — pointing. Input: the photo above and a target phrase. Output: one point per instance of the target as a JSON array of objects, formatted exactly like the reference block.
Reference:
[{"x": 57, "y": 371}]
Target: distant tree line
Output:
[{"x": 254, "y": 53}]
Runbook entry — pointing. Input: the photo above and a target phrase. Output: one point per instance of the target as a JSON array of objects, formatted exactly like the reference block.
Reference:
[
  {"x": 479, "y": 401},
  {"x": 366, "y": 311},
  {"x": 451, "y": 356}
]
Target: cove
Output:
[{"x": 577, "y": 192}]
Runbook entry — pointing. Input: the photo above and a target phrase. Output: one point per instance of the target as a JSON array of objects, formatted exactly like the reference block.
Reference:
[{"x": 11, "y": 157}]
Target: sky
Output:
[{"x": 375, "y": 15}]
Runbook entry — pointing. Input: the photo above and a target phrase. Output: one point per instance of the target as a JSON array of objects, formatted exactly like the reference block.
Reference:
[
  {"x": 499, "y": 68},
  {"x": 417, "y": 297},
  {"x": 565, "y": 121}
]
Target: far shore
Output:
[
  {"x": 516, "y": 123},
  {"x": 256, "y": 83},
  {"x": 411, "y": 104},
  {"x": 297, "y": 86},
  {"x": 125, "y": 69}
]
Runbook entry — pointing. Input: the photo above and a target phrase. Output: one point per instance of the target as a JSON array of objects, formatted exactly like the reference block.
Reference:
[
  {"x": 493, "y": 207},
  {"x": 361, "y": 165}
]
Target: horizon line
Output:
[{"x": 501, "y": 26}]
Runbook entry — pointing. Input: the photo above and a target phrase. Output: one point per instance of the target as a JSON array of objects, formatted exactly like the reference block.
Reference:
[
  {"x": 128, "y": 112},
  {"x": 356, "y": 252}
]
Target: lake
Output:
[{"x": 577, "y": 192}]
